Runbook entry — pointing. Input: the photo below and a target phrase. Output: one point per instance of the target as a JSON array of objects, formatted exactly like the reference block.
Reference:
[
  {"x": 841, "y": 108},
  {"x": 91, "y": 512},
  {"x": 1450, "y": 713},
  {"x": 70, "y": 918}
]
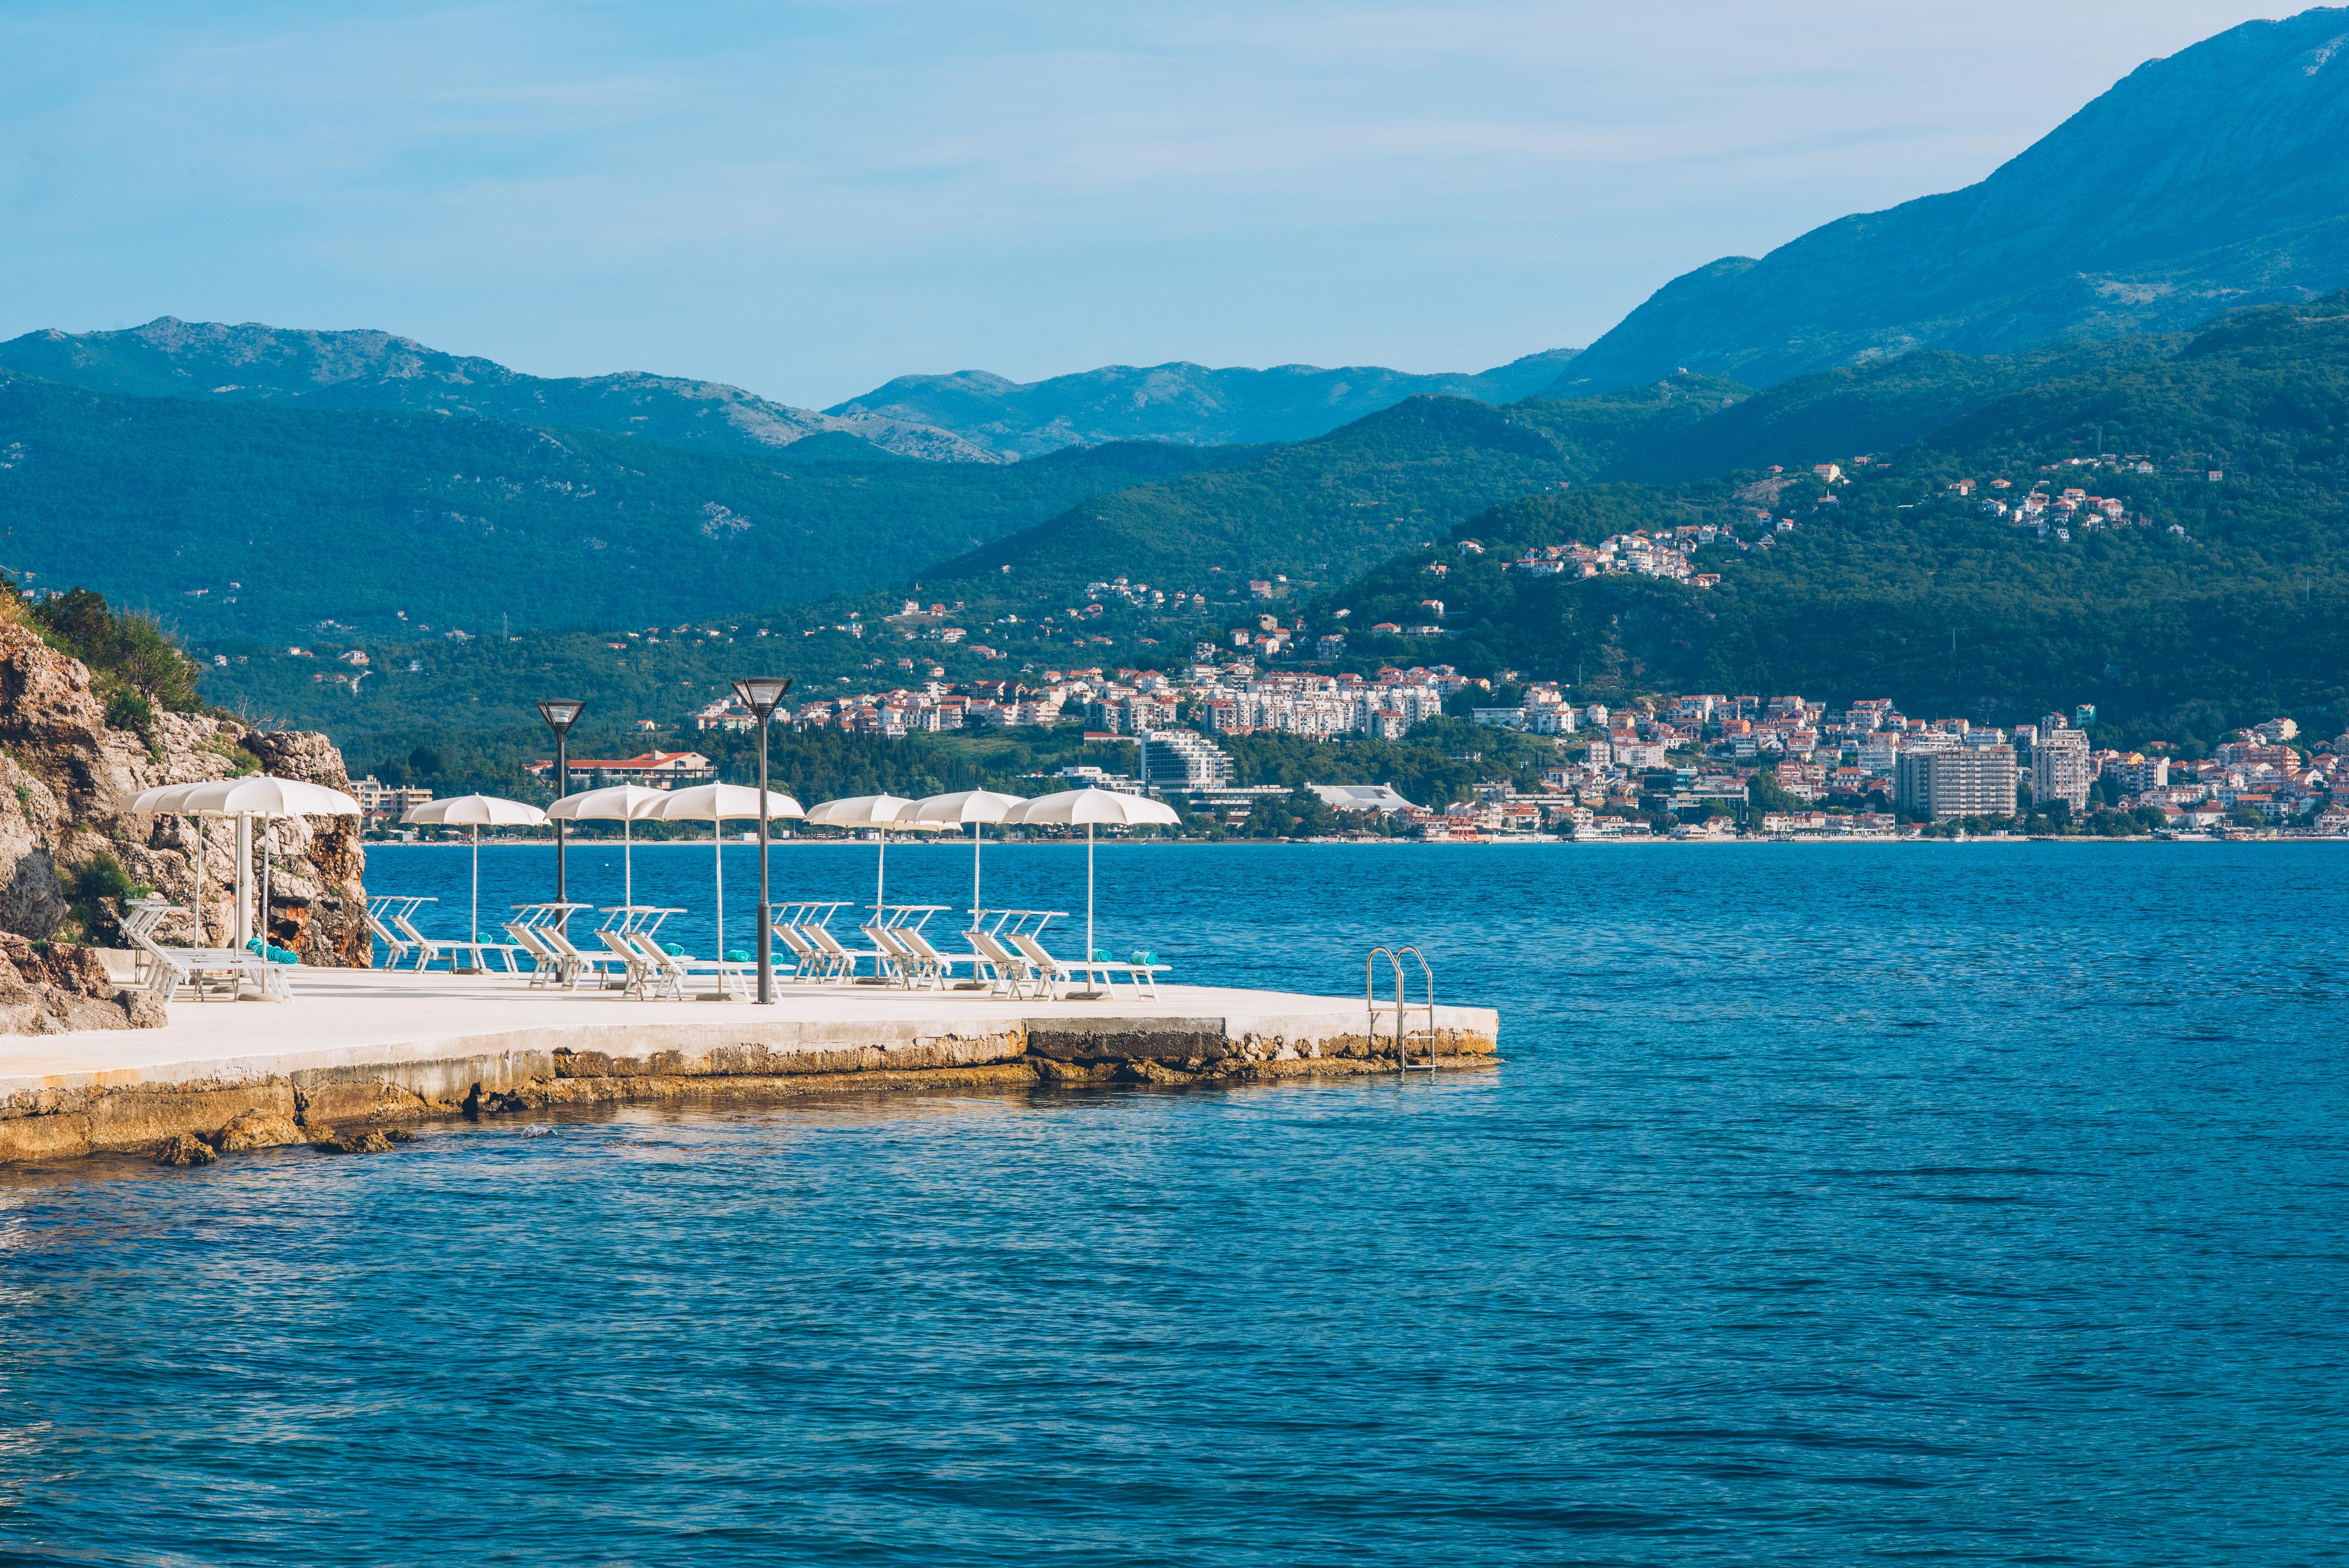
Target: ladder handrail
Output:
[
  {"x": 1404, "y": 1006},
  {"x": 1428, "y": 975}
]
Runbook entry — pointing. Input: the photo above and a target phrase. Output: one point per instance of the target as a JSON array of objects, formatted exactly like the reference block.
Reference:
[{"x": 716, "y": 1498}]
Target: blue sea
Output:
[{"x": 1837, "y": 1203}]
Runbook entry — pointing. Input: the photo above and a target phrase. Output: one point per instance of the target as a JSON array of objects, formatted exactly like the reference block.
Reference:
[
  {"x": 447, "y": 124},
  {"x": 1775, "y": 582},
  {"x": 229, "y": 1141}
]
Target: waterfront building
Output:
[
  {"x": 1181, "y": 760},
  {"x": 658, "y": 770},
  {"x": 2059, "y": 764},
  {"x": 1949, "y": 780}
]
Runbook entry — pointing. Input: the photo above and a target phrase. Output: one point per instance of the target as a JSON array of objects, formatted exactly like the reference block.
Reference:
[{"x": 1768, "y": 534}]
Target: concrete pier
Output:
[{"x": 360, "y": 1048}]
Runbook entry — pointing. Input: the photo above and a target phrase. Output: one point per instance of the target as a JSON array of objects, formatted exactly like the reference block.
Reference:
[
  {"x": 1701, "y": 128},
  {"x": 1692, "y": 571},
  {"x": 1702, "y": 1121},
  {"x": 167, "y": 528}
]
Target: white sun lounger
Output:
[{"x": 169, "y": 967}]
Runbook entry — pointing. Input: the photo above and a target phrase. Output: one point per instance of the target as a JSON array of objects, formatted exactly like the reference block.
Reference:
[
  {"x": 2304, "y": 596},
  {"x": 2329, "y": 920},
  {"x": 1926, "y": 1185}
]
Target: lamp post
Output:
[
  {"x": 762, "y": 695},
  {"x": 560, "y": 714}
]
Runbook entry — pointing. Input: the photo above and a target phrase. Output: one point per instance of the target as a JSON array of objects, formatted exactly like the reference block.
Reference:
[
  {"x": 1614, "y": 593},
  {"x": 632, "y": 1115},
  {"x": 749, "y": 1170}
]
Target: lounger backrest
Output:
[
  {"x": 825, "y": 942},
  {"x": 1033, "y": 950},
  {"x": 887, "y": 940},
  {"x": 528, "y": 940},
  {"x": 992, "y": 949},
  {"x": 794, "y": 938},
  {"x": 921, "y": 948}
]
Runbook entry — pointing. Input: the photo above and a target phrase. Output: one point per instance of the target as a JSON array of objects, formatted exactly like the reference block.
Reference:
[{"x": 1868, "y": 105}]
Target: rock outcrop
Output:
[{"x": 67, "y": 780}]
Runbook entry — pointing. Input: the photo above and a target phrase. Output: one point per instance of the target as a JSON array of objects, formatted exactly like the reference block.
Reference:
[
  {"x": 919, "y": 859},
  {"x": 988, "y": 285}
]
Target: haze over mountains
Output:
[
  {"x": 968, "y": 417},
  {"x": 1179, "y": 402},
  {"x": 2198, "y": 183},
  {"x": 212, "y": 361}
]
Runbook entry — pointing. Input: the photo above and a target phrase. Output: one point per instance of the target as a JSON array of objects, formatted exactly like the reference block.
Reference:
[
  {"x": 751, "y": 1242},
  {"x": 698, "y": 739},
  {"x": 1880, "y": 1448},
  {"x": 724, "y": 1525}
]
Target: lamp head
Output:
[
  {"x": 561, "y": 714},
  {"x": 763, "y": 694}
]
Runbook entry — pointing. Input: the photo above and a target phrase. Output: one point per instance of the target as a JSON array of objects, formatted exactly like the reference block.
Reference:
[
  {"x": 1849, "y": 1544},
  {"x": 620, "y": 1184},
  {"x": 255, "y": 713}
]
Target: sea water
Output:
[{"x": 1836, "y": 1203}]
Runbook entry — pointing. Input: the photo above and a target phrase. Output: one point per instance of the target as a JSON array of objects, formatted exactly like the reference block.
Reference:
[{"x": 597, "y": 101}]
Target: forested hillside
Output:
[
  {"x": 267, "y": 521},
  {"x": 2215, "y": 599}
]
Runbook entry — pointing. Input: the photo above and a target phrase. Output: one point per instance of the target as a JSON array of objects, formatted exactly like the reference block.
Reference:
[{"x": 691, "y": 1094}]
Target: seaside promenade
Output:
[{"x": 358, "y": 1048}]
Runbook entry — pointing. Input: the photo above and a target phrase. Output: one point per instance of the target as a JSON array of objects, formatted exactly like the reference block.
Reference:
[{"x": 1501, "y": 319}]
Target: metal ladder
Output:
[{"x": 1403, "y": 1007}]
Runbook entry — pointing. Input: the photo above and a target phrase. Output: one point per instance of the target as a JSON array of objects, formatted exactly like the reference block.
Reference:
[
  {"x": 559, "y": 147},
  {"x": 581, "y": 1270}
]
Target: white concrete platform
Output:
[{"x": 342, "y": 1021}]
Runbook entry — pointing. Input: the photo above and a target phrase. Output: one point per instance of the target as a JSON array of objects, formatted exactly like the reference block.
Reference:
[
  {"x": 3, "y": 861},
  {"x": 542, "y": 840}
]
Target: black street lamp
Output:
[
  {"x": 560, "y": 714},
  {"x": 762, "y": 695}
]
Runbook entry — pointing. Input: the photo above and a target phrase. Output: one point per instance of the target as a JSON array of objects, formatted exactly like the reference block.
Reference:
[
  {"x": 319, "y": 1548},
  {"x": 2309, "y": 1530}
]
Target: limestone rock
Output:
[
  {"x": 257, "y": 1130},
  {"x": 67, "y": 780},
  {"x": 185, "y": 1149},
  {"x": 374, "y": 1140},
  {"x": 58, "y": 987}
]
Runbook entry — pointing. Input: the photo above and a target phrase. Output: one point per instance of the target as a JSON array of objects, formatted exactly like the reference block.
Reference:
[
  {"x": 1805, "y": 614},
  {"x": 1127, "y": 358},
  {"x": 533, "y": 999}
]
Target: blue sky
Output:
[{"x": 807, "y": 199}]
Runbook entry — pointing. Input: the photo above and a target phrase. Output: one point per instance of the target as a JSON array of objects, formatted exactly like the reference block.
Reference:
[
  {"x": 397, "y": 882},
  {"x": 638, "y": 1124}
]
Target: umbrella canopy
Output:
[
  {"x": 714, "y": 804},
  {"x": 258, "y": 795},
  {"x": 977, "y": 807},
  {"x": 622, "y": 804},
  {"x": 163, "y": 797},
  {"x": 1091, "y": 806},
  {"x": 884, "y": 813},
  {"x": 857, "y": 812},
  {"x": 476, "y": 811},
  {"x": 167, "y": 798},
  {"x": 263, "y": 796}
]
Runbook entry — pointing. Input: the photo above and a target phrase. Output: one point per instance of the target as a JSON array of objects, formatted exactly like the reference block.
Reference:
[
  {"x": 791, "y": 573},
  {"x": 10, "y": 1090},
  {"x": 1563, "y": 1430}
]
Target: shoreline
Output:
[{"x": 231, "y": 1075}]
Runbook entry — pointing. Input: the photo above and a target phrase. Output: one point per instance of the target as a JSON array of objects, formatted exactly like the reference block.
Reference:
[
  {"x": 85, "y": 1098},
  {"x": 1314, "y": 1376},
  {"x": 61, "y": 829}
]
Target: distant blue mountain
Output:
[{"x": 1179, "y": 401}]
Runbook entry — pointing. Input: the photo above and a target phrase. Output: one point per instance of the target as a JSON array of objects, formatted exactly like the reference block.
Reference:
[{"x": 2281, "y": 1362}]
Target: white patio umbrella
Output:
[
  {"x": 1090, "y": 806},
  {"x": 622, "y": 804},
  {"x": 166, "y": 800},
  {"x": 258, "y": 796},
  {"x": 977, "y": 807},
  {"x": 715, "y": 804},
  {"x": 883, "y": 813},
  {"x": 476, "y": 811}
]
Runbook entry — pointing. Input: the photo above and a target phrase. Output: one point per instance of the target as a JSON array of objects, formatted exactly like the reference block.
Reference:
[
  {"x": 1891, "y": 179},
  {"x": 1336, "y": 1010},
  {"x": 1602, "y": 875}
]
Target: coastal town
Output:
[{"x": 1696, "y": 766}]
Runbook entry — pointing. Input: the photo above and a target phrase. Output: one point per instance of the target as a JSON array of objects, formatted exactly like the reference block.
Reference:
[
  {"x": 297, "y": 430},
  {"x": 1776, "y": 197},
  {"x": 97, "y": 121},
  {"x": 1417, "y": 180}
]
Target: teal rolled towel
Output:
[
  {"x": 672, "y": 950},
  {"x": 736, "y": 955},
  {"x": 273, "y": 954},
  {"x": 1140, "y": 957}
]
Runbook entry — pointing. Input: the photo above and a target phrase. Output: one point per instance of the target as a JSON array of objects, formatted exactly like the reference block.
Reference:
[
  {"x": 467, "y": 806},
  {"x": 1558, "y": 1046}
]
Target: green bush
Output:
[{"x": 86, "y": 888}]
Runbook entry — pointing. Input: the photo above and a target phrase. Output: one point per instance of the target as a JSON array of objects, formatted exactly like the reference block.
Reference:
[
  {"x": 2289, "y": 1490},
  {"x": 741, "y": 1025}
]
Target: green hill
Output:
[
  {"x": 212, "y": 361},
  {"x": 1323, "y": 510},
  {"x": 265, "y": 520},
  {"x": 2219, "y": 601}
]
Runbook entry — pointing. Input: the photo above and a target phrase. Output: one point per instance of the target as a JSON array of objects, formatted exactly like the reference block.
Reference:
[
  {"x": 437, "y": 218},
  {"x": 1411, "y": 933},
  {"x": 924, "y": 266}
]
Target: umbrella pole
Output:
[
  {"x": 628, "y": 870},
  {"x": 1089, "y": 892},
  {"x": 268, "y": 843},
  {"x": 198, "y": 822},
  {"x": 474, "y": 923},
  {"x": 717, "y": 860},
  {"x": 978, "y": 838},
  {"x": 880, "y": 882}
]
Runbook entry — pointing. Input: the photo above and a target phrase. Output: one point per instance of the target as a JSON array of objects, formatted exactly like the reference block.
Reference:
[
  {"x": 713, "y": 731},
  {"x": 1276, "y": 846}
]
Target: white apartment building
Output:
[
  {"x": 2060, "y": 769},
  {"x": 1946, "y": 780},
  {"x": 1180, "y": 759}
]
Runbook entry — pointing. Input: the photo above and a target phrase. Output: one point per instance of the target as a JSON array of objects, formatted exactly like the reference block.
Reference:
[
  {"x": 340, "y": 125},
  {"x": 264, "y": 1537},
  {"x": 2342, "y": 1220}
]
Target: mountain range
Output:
[
  {"x": 2198, "y": 183},
  {"x": 968, "y": 417},
  {"x": 1179, "y": 401}
]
